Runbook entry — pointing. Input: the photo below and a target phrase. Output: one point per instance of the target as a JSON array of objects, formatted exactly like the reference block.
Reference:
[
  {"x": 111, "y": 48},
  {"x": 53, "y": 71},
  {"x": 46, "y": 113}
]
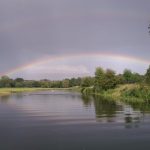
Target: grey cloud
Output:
[{"x": 30, "y": 29}]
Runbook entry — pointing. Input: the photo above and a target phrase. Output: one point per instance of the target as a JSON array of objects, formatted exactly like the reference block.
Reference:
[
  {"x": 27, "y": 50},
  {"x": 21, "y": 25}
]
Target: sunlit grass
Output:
[
  {"x": 128, "y": 93},
  {"x": 7, "y": 91}
]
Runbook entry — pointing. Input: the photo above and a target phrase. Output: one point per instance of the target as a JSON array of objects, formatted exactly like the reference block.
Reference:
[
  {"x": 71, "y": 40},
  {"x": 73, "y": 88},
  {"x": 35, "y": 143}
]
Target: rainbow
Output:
[{"x": 69, "y": 57}]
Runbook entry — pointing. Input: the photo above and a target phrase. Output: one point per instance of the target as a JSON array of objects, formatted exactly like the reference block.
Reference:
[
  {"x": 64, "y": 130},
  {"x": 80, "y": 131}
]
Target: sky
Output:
[{"x": 58, "y": 39}]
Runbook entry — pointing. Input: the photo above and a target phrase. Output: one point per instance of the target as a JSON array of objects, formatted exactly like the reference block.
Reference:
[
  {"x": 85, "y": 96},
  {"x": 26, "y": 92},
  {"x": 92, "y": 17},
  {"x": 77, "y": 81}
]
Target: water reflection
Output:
[
  {"x": 87, "y": 100},
  {"x": 66, "y": 120},
  {"x": 115, "y": 111},
  {"x": 70, "y": 107},
  {"x": 105, "y": 107},
  {"x": 4, "y": 99}
]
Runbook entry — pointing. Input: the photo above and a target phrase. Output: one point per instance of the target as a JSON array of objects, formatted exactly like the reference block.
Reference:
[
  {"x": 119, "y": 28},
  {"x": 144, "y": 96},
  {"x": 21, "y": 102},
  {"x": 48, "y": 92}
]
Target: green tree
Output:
[
  {"x": 28, "y": 83},
  {"x": 36, "y": 84},
  {"x": 104, "y": 80},
  {"x": 110, "y": 80},
  {"x": 19, "y": 82},
  {"x": 6, "y": 81},
  {"x": 87, "y": 82},
  {"x": 78, "y": 81},
  {"x": 99, "y": 79},
  {"x": 120, "y": 79},
  {"x": 65, "y": 83},
  {"x": 136, "y": 78},
  {"x": 147, "y": 76},
  {"x": 127, "y": 74},
  {"x": 44, "y": 84}
]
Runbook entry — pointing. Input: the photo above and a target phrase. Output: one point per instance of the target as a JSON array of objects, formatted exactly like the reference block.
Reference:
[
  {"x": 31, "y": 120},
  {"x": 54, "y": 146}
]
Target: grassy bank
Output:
[
  {"x": 8, "y": 91},
  {"x": 134, "y": 93}
]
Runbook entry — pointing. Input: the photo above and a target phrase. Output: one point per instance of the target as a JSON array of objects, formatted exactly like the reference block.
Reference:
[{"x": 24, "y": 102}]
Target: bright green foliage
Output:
[
  {"x": 147, "y": 76},
  {"x": 139, "y": 92}
]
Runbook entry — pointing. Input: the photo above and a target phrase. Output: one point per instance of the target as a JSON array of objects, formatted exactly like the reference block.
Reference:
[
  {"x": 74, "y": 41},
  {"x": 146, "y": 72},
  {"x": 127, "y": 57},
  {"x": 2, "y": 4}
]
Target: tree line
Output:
[
  {"x": 103, "y": 80},
  {"x": 7, "y": 82}
]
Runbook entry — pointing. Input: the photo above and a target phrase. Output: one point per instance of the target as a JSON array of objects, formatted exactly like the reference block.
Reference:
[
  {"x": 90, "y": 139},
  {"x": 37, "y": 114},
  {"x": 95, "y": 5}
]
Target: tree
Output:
[
  {"x": 147, "y": 76},
  {"x": 65, "y": 83},
  {"x": 87, "y": 82},
  {"x": 104, "y": 80},
  {"x": 72, "y": 82},
  {"x": 78, "y": 81},
  {"x": 36, "y": 84},
  {"x": 44, "y": 85},
  {"x": 19, "y": 82},
  {"x": 136, "y": 78},
  {"x": 6, "y": 81},
  {"x": 110, "y": 79},
  {"x": 99, "y": 79},
  {"x": 120, "y": 79},
  {"x": 56, "y": 84},
  {"x": 127, "y": 74}
]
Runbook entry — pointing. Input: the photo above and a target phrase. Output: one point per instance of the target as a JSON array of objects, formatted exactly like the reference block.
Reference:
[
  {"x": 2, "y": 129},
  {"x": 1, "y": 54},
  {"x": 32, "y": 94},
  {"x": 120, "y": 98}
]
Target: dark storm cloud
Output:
[{"x": 30, "y": 29}]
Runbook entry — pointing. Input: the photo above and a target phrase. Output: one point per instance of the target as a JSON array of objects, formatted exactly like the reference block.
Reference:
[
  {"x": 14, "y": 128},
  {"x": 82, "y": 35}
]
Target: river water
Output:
[{"x": 60, "y": 120}]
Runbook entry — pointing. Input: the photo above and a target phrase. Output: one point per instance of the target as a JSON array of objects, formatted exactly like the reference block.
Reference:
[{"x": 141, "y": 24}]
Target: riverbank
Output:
[
  {"x": 8, "y": 91},
  {"x": 134, "y": 93}
]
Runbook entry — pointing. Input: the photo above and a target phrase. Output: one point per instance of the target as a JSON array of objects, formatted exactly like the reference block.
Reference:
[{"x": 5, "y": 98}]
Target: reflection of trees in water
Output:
[
  {"x": 132, "y": 122},
  {"x": 140, "y": 111},
  {"x": 132, "y": 117},
  {"x": 143, "y": 107},
  {"x": 112, "y": 111},
  {"x": 105, "y": 110},
  {"x": 104, "y": 107},
  {"x": 87, "y": 99}
]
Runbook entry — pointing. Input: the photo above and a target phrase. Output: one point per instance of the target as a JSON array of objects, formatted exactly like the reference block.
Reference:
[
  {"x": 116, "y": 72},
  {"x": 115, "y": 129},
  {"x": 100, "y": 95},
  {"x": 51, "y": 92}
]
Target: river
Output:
[{"x": 63, "y": 120}]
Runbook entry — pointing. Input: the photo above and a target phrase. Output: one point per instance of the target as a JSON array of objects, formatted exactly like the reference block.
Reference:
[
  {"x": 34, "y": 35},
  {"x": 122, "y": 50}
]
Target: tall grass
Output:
[
  {"x": 137, "y": 93},
  {"x": 128, "y": 93}
]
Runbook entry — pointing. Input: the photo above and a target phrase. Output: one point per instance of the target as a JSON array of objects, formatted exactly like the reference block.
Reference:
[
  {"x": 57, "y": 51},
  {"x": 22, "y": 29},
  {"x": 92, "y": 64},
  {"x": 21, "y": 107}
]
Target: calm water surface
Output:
[{"x": 57, "y": 120}]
